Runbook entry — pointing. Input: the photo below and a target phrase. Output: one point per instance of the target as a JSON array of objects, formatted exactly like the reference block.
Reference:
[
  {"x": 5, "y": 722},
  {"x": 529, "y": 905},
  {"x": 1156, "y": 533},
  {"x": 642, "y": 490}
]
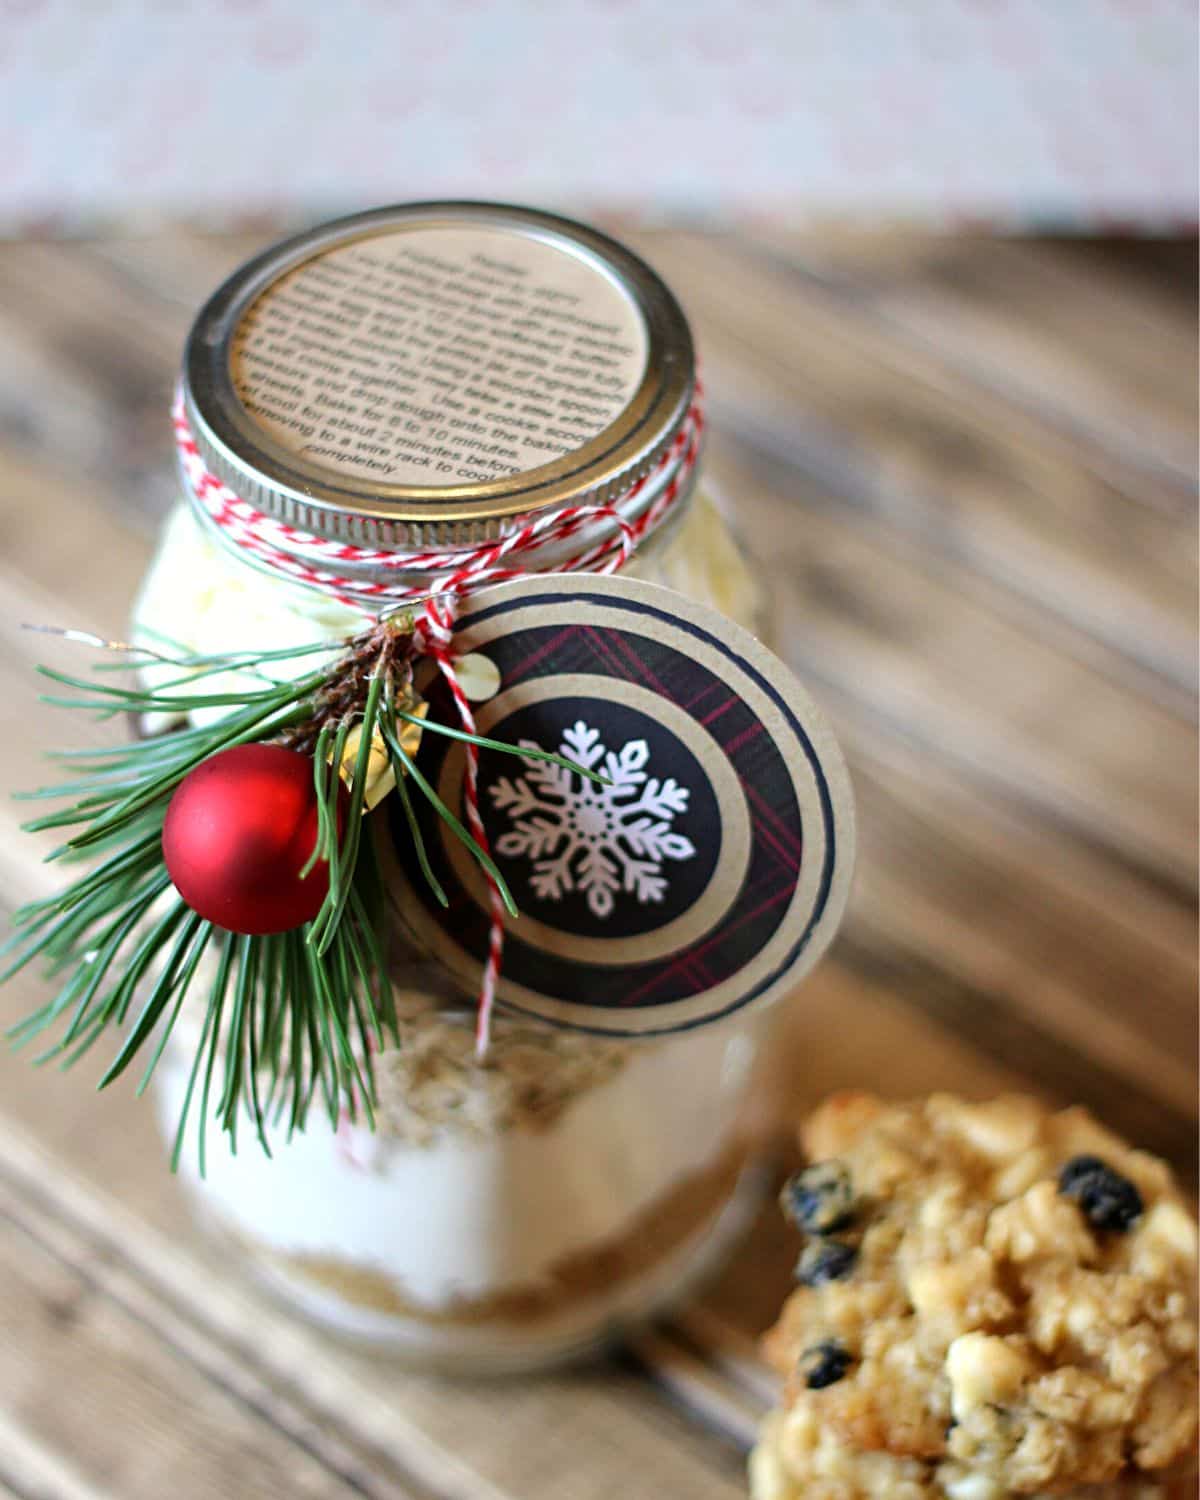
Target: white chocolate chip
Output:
[
  {"x": 1167, "y": 1226},
  {"x": 999, "y": 1129},
  {"x": 983, "y": 1371},
  {"x": 1040, "y": 1223},
  {"x": 768, "y": 1476},
  {"x": 960, "y": 1484}
]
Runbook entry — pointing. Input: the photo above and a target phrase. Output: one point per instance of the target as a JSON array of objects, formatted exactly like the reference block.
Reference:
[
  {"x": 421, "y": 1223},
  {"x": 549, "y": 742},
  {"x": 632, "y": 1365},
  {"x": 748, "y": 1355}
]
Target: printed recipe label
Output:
[{"x": 440, "y": 356}]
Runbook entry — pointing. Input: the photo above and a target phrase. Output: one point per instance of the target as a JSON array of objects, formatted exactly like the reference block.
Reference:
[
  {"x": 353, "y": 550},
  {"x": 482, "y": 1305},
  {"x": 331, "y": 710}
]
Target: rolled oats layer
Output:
[{"x": 431, "y": 1084}]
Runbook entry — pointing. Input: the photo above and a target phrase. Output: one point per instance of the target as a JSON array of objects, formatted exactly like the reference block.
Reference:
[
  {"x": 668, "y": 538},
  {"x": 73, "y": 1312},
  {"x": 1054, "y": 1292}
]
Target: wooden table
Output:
[{"x": 969, "y": 468}]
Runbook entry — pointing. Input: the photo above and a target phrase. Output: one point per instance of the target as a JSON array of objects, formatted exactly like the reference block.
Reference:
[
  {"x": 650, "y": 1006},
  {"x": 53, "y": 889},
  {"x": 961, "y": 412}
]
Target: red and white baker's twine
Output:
[{"x": 302, "y": 557}]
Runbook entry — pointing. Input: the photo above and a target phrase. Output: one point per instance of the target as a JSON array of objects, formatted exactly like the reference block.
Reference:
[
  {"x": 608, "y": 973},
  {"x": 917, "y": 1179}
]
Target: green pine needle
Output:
[
  {"x": 418, "y": 838},
  {"x": 269, "y": 1022}
]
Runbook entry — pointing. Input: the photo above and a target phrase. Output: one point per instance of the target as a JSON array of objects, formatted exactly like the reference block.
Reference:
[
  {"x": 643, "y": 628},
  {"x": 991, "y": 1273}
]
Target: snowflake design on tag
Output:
[{"x": 595, "y": 839}]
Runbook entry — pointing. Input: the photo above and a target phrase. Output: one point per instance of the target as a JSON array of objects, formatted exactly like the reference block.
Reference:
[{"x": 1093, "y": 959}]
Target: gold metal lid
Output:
[{"x": 420, "y": 375}]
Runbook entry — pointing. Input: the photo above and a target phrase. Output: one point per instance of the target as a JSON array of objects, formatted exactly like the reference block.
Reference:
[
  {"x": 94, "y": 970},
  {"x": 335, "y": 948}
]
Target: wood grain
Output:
[
  {"x": 968, "y": 469},
  {"x": 990, "y": 489}
]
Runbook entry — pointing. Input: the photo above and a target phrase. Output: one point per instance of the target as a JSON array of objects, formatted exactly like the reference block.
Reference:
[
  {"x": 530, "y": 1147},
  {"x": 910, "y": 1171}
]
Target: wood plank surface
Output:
[{"x": 968, "y": 471}]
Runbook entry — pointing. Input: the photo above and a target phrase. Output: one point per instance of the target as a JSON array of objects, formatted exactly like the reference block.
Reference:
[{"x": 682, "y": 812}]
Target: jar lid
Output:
[
  {"x": 419, "y": 375},
  {"x": 711, "y": 871}
]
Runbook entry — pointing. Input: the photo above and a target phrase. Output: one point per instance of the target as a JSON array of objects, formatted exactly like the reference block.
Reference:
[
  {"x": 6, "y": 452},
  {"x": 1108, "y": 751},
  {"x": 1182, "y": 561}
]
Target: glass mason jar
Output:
[{"x": 515, "y": 1210}]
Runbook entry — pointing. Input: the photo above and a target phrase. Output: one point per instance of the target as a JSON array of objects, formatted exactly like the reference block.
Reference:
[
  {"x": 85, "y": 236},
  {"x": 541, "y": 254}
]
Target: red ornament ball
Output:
[{"x": 239, "y": 829}]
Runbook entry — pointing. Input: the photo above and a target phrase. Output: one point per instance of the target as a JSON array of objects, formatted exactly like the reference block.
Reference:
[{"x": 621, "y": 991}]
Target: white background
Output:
[{"x": 1022, "y": 113}]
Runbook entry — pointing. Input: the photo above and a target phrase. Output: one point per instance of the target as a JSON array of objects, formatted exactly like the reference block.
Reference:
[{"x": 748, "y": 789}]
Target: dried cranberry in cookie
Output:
[
  {"x": 820, "y": 1199},
  {"x": 824, "y": 1364},
  {"x": 825, "y": 1260},
  {"x": 1108, "y": 1200}
]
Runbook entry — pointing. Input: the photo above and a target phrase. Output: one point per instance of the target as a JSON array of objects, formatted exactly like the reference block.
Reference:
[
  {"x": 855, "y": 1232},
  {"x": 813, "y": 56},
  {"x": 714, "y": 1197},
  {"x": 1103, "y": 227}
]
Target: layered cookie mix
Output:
[
  {"x": 544, "y": 1217},
  {"x": 993, "y": 1301}
]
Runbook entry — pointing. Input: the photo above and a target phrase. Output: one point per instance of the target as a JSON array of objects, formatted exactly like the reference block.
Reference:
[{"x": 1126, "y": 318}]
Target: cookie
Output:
[
  {"x": 993, "y": 1292},
  {"x": 797, "y": 1459}
]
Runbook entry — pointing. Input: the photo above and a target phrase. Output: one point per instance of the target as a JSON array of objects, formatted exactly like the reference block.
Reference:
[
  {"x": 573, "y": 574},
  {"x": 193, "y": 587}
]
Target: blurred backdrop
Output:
[
  {"x": 939, "y": 257},
  {"x": 1049, "y": 114}
]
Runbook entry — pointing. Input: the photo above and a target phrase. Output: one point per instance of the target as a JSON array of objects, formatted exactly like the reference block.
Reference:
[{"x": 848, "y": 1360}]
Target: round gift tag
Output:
[{"x": 711, "y": 869}]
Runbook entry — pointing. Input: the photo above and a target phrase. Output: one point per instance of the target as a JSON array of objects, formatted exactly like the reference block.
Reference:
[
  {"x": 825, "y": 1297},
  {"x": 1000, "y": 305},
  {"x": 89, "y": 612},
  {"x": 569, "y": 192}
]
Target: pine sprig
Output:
[{"x": 274, "y": 1021}]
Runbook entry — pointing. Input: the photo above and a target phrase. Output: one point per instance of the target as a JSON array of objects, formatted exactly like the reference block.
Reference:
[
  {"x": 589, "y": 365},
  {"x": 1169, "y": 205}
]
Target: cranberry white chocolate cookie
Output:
[
  {"x": 797, "y": 1459},
  {"x": 993, "y": 1301}
]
